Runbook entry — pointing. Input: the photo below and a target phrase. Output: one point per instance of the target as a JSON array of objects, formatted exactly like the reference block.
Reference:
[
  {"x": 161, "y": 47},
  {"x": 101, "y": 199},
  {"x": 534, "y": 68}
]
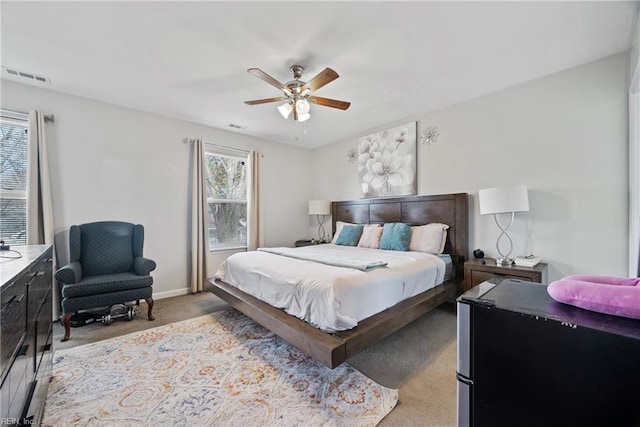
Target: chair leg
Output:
[
  {"x": 150, "y": 304},
  {"x": 66, "y": 321}
]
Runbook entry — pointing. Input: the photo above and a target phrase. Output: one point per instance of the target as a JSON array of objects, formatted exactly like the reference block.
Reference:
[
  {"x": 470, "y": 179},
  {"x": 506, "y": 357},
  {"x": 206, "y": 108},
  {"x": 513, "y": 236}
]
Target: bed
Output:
[{"x": 332, "y": 346}]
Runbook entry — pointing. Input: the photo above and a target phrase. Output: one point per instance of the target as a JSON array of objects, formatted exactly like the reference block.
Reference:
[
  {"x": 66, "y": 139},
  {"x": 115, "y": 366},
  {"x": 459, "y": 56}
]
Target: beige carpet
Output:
[{"x": 418, "y": 360}]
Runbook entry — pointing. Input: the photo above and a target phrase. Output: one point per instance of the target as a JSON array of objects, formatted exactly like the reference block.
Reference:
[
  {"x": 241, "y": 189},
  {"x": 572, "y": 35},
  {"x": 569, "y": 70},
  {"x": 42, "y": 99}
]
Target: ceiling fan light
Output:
[
  {"x": 303, "y": 117},
  {"x": 285, "y": 109},
  {"x": 302, "y": 106}
]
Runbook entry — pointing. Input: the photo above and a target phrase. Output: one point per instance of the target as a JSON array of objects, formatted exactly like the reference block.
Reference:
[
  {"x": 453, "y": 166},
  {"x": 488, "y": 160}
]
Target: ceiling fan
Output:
[{"x": 297, "y": 93}]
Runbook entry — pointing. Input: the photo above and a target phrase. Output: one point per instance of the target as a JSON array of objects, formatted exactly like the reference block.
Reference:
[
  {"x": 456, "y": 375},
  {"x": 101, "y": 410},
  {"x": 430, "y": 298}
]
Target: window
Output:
[
  {"x": 227, "y": 199},
  {"x": 13, "y": 180}
]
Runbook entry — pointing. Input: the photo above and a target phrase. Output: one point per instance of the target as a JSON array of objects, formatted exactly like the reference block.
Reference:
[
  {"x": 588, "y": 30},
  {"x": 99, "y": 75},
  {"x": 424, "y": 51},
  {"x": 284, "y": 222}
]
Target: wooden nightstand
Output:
[
  {"x": 300, "y": 243},
  {"x": 476, "y": 272}
]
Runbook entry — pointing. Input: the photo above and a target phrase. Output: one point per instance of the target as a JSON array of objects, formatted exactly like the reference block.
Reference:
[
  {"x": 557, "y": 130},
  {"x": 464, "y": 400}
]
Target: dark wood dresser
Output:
[{"x": 26, "y": 340}]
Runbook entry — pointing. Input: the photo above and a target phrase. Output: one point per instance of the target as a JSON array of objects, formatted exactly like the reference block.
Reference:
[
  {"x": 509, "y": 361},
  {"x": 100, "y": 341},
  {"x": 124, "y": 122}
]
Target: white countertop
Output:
[{"x": 10, "y": 268}]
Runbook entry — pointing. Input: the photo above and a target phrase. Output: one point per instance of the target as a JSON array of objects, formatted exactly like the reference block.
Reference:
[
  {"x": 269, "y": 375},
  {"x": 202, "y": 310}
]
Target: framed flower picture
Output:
[{"x": 387, "y": 162}]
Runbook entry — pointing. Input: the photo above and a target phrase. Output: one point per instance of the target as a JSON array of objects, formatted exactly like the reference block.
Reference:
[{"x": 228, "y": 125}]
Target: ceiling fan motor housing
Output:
[
  {"x": 296, "y": 70},
  {"x": 295, "y": 86}
]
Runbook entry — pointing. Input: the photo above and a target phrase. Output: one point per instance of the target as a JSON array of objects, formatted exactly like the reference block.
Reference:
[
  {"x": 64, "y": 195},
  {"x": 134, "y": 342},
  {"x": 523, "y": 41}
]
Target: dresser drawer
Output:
[
  {"x": 18, "y": 378},
  {"x": 39, "y": 286},
  {"x": 43, "y": 328},
  {"x": 13, "y": 320},
  {"x": 477, "y": 271}
]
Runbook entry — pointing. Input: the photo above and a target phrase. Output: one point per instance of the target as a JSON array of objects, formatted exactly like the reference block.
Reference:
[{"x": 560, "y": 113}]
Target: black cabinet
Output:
[
  {"x": 26, "y": 340},
  {"x": 527, "y": 360}
]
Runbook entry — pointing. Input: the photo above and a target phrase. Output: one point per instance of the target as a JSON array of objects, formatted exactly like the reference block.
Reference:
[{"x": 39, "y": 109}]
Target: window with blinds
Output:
[
  {"x": 227, "y": 200},
  {"x": 13, "y": 180}
]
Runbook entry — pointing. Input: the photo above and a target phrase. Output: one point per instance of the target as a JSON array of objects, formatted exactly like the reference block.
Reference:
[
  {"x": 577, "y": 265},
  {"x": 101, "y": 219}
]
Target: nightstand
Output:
[
  {"x": 476, "y": 272},
  {"x": 300, "y": 243}
]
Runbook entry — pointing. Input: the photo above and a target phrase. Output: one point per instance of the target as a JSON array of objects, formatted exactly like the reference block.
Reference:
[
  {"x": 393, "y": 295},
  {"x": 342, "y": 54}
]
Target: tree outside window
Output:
[
  {"x": 13, "y": 181},
  {"x": 227, "y": 200}
]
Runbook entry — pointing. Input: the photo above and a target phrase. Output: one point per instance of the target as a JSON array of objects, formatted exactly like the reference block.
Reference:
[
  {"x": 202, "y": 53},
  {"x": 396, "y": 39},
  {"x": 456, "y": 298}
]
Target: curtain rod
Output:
[
  {"x": 190, "y": 140},
  {"x": 47, "y": 118}
]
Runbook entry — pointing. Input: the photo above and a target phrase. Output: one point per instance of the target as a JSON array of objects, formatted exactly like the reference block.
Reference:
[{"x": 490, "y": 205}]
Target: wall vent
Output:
[{"x": 19, "y": 75}]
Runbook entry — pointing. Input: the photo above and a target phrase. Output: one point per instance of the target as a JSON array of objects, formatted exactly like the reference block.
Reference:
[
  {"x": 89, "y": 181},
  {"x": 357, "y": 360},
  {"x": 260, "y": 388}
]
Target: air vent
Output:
[{"x": 19, "y": 75}]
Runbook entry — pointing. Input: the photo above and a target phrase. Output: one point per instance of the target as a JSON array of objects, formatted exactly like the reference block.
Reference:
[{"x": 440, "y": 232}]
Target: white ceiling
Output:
[{"x": 397, "y": 60}]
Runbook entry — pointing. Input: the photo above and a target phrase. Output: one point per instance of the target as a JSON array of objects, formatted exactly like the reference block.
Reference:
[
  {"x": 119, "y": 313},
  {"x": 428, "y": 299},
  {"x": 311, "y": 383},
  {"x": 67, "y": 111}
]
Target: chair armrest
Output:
[
  {"x": 70, "y": 273},
  {"x": 143, "y": 266}
]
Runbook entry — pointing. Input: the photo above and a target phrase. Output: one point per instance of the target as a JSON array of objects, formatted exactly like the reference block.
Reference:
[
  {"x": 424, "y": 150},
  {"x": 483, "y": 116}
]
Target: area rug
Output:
[{"x": 216, "y": 370}]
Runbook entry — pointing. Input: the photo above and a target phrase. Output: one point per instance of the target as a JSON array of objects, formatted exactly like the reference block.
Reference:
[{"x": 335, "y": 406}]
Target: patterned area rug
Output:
[{"x": 221, "y": 369}]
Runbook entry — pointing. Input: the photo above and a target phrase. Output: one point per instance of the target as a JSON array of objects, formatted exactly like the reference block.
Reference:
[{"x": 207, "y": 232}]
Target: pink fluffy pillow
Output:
[{"x": 618, "y": 296}]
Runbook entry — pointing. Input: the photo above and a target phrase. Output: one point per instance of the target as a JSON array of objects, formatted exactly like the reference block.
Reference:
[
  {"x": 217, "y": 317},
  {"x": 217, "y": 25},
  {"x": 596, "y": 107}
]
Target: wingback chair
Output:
[{"x": 106, "y": 267}]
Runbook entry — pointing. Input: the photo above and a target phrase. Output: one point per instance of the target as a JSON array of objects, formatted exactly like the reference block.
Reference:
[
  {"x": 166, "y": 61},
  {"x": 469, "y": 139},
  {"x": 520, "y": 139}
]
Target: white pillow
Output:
[
  {"x": 339, "y": 225},
  {"x": 429, "y": 238},
  {"x": 370, "y": 237}
]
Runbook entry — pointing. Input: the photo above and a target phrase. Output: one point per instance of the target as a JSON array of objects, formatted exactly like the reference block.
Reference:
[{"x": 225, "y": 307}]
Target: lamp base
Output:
[
  {"x": 321, "y": 233},
  {"x": 504, "y": 258}
]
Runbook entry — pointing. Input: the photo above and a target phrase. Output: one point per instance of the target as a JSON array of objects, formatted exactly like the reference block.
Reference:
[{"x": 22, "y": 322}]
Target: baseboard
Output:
[
  {"x": 169, "y": 294},
  {"x": 156, "y": 295}
]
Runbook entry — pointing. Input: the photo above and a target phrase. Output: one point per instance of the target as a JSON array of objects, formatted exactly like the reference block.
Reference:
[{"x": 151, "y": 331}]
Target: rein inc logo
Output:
[{"x": 10, "y": 421}]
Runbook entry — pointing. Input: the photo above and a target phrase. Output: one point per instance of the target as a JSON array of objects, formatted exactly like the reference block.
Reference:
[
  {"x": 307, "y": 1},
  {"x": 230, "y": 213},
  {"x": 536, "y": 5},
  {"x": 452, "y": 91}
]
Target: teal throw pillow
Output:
[
  {"x": 396, "y": 236},
  {"x": 349, "y": 235}
]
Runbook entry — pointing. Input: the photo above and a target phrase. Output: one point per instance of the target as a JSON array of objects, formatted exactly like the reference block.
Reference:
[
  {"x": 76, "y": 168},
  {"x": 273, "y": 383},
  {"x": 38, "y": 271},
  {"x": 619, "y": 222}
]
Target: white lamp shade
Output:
[
  {"x": 319, "y": 207},
  {"x": 285, "y": 109},
  {"x": 302, "y": 106},
  {"x": 503, "y": 199}
]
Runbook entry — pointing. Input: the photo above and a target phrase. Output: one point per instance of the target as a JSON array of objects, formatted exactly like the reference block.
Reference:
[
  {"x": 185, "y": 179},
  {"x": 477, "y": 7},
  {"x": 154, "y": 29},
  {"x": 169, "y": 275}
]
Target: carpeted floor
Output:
[{"x": 419, "y": 360}]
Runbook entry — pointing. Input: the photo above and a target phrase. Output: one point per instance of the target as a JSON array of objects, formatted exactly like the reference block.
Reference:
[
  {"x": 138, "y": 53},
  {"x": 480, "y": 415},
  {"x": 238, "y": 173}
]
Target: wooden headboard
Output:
[{"x": 450, "y": 209}]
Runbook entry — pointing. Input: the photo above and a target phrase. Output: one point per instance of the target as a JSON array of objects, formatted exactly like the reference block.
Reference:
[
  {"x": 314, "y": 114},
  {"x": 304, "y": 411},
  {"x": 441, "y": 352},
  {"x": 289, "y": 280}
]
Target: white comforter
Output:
[{"x": 329, "y": 297}]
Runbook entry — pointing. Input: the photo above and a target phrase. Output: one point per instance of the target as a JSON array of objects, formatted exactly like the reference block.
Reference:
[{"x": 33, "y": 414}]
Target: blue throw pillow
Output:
[
  {"x": 396, "y": 236},
  {"x": 349, "y": 235}
]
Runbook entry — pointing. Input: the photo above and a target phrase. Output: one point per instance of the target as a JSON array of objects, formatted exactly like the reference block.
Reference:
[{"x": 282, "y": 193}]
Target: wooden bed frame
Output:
[{"x": 333, "y": 349}]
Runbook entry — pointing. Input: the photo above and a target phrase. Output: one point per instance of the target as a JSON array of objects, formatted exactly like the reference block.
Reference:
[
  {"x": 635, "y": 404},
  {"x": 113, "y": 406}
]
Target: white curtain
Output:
[
  {"x": 39, "y": 205},
  {"x": 199, "y": 219},
  {"x": 255, "y": 231}
]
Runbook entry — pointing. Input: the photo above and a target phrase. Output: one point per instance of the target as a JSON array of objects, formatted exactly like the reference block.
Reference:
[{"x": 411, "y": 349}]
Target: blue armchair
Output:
[{"x": 106, "y": 267}]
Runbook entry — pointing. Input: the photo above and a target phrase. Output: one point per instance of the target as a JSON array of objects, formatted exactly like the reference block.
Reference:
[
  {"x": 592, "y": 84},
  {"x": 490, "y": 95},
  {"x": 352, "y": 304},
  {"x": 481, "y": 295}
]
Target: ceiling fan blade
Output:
[
  {"x": 265, "y": 100},
  {"x": 267, "y": 78},
  {"x": 326, "y": 102},
  {"x": 322, "y": 78}
]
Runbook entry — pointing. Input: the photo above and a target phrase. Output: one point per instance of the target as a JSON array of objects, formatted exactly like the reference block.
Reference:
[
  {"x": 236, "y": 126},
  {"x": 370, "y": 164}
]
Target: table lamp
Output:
[
  {"x": 498, "y": 200},
  {"x": 320, "y": 208}
]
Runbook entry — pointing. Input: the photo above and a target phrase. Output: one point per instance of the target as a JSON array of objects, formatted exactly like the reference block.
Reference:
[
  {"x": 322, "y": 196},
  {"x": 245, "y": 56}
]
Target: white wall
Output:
[
  {"x": 634, "y": 55},
  {"x": 113, "y": 163},
  {"x": 565, "y": 136}
]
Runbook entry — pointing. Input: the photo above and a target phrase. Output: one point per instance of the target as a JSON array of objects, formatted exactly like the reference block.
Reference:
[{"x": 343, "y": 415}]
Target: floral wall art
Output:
[{"x": 387, "y": 162}]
